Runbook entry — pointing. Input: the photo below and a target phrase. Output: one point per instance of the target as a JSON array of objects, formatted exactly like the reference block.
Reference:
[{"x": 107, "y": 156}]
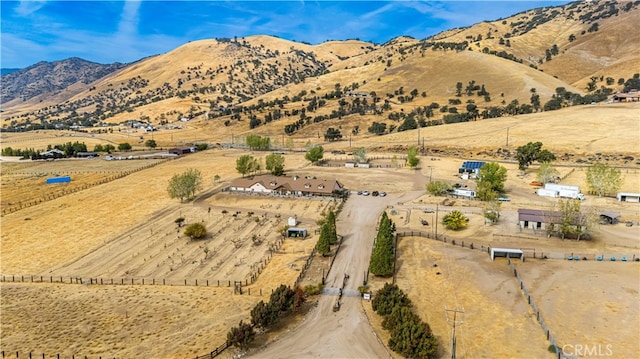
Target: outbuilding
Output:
[
  {"x": 610, "y": 217},
  {"x": 628, "y": 197},
  {"x": 297, "y": 232},
  {"x": 182, "y": 150},
  {"x": 471, "y": 167},
  {"x": 506, "y": 252}
]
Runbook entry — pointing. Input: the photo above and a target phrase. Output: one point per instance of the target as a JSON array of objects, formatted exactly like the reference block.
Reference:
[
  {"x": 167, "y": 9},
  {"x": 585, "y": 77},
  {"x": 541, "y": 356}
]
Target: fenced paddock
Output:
[
  {"x": 536, "y": 311},
  {"x": 24, "y": 184}
]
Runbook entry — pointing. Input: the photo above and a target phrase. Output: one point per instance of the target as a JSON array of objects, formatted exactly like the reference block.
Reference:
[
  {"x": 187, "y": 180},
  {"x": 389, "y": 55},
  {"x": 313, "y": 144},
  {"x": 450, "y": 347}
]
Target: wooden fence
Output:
[
  {"x": 530, "y": 301},
  {"x": 31, "y": 355}
]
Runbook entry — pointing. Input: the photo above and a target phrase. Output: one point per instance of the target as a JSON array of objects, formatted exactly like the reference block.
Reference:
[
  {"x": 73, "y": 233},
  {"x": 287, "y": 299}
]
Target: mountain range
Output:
[{"x": 556, "y": 56}]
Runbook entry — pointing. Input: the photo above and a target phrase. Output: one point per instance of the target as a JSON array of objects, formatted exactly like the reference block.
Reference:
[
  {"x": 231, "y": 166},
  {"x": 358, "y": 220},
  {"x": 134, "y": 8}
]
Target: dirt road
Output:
[{"x": 345, "y": 333}]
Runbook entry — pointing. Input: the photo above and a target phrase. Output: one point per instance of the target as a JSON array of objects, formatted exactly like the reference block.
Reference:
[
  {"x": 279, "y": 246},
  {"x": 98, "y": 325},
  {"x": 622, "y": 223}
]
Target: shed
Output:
[
  {"x": 181, "y": 150},
  {"x": 292, "y": 221},
  {"x": 628, "y": 197},
  {"x": 610, "y": 217},
  {"x": 297, "y": 232},
  {"x": 506, "y": 252}
]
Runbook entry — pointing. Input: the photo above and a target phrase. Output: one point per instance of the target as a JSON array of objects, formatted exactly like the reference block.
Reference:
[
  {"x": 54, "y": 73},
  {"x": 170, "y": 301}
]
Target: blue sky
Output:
[{"x": 125, "y": 31}]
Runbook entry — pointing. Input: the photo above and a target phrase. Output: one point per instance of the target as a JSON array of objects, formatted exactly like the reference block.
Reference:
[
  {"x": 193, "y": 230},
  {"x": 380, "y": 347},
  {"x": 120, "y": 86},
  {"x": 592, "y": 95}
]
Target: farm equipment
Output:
[{"x": 336, "y": 306}]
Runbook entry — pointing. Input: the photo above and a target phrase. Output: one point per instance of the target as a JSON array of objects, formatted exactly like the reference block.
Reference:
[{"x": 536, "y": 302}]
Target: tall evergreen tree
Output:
[{"x": 323, "y": 246}]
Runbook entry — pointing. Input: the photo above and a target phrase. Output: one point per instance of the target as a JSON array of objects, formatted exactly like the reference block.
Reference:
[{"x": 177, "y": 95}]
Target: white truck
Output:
[
  {"x": 560, "y": 190},
  {"x": 547, "y": 192},
  {"x": 565, "y": 193},
  {"x": 561, "y": 187},
  {"x": 464, "y": 193}
]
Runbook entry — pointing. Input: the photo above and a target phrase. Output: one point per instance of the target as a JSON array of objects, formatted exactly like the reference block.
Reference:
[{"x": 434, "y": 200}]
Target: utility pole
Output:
[
  {"x": 436, "y": 221},
  {"x": 507, "y": 137},
  {"x": 453, "y": 322}
]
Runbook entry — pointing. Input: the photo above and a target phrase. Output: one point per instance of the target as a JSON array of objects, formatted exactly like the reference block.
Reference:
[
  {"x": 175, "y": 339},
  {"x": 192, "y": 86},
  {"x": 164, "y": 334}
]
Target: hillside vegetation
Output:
[{"x": 538, "y": 60}]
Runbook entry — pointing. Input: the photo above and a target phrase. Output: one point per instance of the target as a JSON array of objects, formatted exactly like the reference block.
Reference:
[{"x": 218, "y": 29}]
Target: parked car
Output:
[
  {"x": 375, "y": 193},
  {"x": 503, "y": 199},
  {"x": 366, "y": 193},
  {"x": 383, "y": 194},
  {"x": 359, "y": 192},
  {"x": 537, "y": 184}
]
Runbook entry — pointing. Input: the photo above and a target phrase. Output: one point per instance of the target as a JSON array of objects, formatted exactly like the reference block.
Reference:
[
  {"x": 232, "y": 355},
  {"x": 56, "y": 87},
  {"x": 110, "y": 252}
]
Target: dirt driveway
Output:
[{"x": 345, "y": 333}]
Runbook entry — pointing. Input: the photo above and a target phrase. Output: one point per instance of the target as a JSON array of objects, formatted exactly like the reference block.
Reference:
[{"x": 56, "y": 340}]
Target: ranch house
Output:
[
  {"x": 631, "y": 96},
  {"x": 289, "y": 186}
]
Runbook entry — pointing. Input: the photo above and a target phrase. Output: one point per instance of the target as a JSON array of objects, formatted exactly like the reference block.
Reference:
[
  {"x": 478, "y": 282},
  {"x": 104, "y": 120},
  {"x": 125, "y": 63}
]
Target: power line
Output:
[{"x": 455, "y": 320}]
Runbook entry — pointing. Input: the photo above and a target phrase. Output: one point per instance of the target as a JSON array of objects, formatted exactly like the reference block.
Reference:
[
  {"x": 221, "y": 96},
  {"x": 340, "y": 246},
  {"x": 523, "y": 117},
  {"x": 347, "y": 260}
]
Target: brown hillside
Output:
[{"x": 590, "y": 53}]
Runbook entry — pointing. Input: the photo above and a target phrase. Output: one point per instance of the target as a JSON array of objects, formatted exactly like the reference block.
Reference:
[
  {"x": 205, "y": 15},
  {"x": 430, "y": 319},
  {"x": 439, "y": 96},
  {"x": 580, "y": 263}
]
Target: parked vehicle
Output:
[
  {"x": 570, "y": 194},
  {"x": 365, "y": 193},
  {"x": 547, "y": 192},
  {"x": 383, "y": 194},
  {"x": 464, "y": 193},
  {"x": 536, "y": 183},
  {"x": 503, "y": 199},
  {"x": 562, "y": 187},
  {"x": 375, "y": 193}
]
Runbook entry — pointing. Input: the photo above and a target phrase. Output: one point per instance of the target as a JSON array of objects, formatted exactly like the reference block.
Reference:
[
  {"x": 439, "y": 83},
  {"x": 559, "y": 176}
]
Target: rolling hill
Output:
[{"x": 541, "y": 59}]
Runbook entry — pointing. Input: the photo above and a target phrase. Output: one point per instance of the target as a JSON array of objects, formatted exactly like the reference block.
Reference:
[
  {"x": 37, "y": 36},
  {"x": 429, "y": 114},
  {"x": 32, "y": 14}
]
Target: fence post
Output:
[
  {"x": 196, "y": 282},
  {"x": 185, "y": 282}
]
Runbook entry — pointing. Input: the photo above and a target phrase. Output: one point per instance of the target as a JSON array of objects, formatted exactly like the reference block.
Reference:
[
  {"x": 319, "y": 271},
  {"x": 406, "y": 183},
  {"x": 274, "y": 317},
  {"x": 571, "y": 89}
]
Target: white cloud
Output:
[{"x": 28, "y": 7}]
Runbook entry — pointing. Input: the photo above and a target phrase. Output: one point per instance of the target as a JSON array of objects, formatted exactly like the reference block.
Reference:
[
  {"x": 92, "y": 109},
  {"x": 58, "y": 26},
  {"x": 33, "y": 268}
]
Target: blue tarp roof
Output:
[{"x": 471, "y": 165}]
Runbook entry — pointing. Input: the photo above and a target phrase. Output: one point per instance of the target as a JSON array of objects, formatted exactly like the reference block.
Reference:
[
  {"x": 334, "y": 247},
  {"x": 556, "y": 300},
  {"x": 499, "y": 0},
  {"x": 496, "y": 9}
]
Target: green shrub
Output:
[{"x": 195, "y": 230}]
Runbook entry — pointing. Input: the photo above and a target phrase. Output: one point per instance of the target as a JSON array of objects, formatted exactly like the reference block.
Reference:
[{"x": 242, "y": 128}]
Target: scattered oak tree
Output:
[
  {"x": 332, "y": 134},
  {"x": 275, "y": 164},
  {"x": 185, "y": 185},
  {"x": 603, "y": 180},
  {"x": 314, "y": 154},
  {"x": 531, "y": 152},
  {"x": 151, "y": 144},
  {"x": 378, "y": 128},
  {"x": 125, "y": 146}
]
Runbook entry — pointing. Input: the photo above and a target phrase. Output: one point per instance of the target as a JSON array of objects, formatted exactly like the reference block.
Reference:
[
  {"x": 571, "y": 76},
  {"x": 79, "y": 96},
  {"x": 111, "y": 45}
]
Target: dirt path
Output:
[{"x": 345, "y": 333}]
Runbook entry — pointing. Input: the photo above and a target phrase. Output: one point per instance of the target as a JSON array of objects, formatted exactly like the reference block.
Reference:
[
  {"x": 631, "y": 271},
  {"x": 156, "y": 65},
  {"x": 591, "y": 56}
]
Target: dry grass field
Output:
[{"x": 125, "y": 229}]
